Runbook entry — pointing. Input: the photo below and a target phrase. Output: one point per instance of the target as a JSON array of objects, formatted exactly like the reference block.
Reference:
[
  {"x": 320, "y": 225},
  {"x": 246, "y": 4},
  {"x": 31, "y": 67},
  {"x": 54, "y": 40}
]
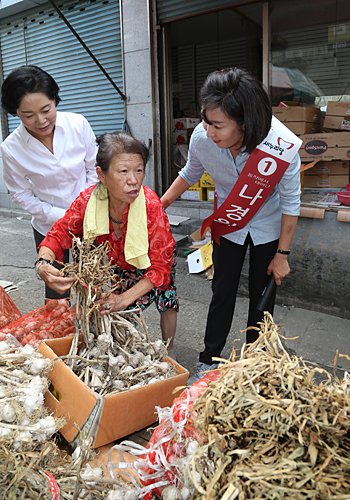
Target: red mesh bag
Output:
[
  {"x": 8, "y": 311},
  {"x": 37, "y": 320},
  {"x": 63, "y": 326}
]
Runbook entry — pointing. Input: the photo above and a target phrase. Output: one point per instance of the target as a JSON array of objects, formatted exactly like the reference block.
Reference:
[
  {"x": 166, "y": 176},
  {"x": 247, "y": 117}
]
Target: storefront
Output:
[{"x": 300, "y": 50}]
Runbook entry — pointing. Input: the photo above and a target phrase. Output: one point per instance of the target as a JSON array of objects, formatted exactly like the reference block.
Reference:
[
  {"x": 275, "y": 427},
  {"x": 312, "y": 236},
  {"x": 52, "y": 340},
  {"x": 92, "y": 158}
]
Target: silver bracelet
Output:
[{"x": 39, "y": 263}]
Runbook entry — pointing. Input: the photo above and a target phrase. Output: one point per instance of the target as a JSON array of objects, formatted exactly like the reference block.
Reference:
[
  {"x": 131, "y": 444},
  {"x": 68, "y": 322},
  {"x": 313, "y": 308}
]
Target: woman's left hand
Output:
[
  {"x": 279, "y": 267},
  {"x": 111, "y": 302}
]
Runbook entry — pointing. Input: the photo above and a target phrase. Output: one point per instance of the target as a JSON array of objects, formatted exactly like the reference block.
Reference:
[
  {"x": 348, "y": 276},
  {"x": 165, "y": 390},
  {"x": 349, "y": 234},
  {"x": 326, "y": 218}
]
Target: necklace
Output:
[{"x": 115, "y": 221}]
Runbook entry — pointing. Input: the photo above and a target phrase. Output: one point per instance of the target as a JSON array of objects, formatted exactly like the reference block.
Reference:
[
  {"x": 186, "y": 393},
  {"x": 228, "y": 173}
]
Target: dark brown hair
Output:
[
  {"x": 111, "y": 144},
  {"x": 243, "y": 98},
  {"x": 27, "y": 80}
]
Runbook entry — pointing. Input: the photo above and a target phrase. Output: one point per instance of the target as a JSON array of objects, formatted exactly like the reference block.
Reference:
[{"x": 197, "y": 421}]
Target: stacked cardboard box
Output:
[
  {"x": 337, "y": 116},
  {"x": 194, "y": 194},
  {"x": 298, "y": 118},
  {"x": 330, "y": 149},
  {"x": 183, "y": 128},
  {"x": 206, "y": 181},
  {"x": 325, "y": 147},
  {"x": 203, "y": 190},
  {"x": 327, "y": 174}
]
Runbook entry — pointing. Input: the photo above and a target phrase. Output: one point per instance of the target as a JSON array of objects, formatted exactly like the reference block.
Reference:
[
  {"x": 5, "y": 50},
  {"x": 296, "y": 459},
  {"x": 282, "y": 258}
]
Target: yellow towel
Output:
[
  {"x": 96, "y": 223},
  {"x": 136, "y": 239}
]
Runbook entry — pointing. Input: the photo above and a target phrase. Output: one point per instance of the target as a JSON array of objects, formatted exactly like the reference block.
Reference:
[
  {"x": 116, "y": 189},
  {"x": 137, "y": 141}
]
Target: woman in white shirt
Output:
[{"x": 50, "y": 157}]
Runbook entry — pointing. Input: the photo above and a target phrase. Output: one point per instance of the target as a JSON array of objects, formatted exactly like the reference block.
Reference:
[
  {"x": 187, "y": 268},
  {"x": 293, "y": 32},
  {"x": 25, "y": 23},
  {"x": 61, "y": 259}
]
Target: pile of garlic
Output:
[
  {"x": 120, "y": 358},
  {"x": 23, "y": 383}
]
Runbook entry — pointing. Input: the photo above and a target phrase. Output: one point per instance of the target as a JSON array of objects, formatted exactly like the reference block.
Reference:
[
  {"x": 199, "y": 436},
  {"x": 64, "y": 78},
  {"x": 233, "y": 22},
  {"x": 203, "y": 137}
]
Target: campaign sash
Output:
[{"x": 264, "y": 168}]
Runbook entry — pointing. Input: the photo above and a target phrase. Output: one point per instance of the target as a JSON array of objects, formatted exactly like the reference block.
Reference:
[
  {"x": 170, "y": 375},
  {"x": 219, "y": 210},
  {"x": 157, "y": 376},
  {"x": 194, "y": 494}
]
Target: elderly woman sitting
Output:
[{"x": 130, "y": 216}]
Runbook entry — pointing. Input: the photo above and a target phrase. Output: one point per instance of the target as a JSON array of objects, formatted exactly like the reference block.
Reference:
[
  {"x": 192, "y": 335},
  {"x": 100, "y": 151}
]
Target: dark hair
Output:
[
  {"x": 111, "y": 144},
  {"x": 243, "y": 98},
  {"x": 27, "y": 80}
]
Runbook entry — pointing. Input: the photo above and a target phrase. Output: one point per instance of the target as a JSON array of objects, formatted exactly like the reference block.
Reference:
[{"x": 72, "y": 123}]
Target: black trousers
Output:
[
  {"x": 228, "y": 261},
  {"x": 51, "y": 294}
]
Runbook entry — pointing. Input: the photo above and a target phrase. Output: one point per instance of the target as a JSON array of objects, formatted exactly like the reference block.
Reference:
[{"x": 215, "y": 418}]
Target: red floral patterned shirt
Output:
[{"x": 161, "y": 242}]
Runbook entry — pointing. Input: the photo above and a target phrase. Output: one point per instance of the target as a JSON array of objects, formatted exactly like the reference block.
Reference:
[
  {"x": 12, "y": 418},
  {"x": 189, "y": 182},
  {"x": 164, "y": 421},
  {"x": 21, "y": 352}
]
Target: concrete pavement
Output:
[{"x": 319, "y": 335}]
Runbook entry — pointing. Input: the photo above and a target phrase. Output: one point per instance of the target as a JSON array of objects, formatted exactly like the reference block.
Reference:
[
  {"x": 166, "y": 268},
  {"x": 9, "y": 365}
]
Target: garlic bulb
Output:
[
  {"x": 127, "y": 369},
  {"x": 37, "y": 383},
  {"x": 171, "y": 493},
  {"x": 153, "y": 380},
  {"x": 157, "y": 345},
  {"x": 4, "y": 432},
  {"x": 48, "y": 425},
  {"x": 119, "y": 384},
  {"x": 28, "y": 350},
  {"x": 185, "y": 493},
  {"x": 4, "y": 346},
  {"x": 116, "y": 494},
  {"x": 8, "y": 413},
  {"x": 191, "y": 447},
  {"x": 38, "y": 365},
  {"x": 163, "y": 366},
  {"x": 135, "y": 360},
  {"x": 32, "y": 401}
]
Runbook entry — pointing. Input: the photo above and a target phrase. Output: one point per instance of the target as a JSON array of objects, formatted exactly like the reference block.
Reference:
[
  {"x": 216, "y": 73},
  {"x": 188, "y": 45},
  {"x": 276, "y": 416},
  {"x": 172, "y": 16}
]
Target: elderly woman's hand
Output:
[
  {"x": 55, "y": 279},
  {"x": 111, "y": 302}
]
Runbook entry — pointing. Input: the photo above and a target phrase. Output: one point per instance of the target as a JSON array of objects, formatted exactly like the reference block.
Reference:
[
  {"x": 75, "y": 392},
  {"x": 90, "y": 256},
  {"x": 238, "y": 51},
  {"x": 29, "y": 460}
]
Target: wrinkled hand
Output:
[
  {"x": 279, "y": 267},
  {"x": 111, "y": 302},
  {"x": 55, "y": 279}
]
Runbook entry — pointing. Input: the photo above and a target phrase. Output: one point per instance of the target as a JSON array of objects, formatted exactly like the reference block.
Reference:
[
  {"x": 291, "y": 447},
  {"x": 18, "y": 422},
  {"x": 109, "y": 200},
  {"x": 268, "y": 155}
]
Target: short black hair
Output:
[
  {"x": 27, "y": 80},
  {"x": 243, "y": 98},
  {"x": 111, "y": 144}
]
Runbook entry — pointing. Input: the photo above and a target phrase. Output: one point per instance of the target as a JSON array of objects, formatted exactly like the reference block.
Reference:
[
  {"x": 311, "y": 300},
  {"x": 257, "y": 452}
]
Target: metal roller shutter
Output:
[
  {"x": 191, "y": 67},
  {"x": 169, "y": 10},
  {"x": 52, "y": 46}
]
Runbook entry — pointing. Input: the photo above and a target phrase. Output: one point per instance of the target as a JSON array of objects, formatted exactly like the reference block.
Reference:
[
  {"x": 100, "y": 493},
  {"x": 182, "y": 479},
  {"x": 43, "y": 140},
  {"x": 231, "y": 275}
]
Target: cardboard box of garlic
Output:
[{"x": 127, "y": 407}]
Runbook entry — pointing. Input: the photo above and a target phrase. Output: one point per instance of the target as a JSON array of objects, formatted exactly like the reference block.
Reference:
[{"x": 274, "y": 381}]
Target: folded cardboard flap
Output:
[
  {"x": 201, "y": 259},
  {"x": 307, "y": 166},
  {"x": 68, "y": 385}
]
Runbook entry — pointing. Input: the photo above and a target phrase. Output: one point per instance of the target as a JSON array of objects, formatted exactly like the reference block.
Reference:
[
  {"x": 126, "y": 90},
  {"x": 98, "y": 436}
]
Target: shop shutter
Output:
[
  {"x": 53, "y": 47},
  {"x": 192, "y": 64},
  {"x": 169, "y": 10}
]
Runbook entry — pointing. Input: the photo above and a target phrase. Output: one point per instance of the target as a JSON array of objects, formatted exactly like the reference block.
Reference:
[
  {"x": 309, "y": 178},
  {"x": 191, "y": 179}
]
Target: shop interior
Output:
[{"x": 309, "y": 57}]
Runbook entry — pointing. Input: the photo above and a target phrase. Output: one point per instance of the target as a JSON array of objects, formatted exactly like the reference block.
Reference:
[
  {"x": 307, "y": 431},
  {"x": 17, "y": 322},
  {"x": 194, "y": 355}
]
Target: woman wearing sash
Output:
[{"x": 253, "y": 161}]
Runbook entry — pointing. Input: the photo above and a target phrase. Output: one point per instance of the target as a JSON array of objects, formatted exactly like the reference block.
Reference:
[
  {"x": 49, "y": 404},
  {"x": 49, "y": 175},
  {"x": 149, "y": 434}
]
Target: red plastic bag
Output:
[
  {"x": 8, "y": 311},
  {"x": 170, "y": 439}
]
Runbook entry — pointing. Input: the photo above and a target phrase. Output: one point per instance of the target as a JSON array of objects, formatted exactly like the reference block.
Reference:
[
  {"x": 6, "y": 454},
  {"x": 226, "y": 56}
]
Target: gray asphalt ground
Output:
[{"x": 314, "y": 336}]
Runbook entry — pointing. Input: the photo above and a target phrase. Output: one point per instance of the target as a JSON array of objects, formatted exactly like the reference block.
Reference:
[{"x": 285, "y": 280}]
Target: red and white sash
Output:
[{"x": 264, "y": 168}]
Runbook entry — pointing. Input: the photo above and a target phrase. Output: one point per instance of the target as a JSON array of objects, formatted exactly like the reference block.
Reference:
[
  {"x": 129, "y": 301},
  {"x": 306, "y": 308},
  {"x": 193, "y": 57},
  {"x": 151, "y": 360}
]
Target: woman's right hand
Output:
[{"x": 55, "y": 279}]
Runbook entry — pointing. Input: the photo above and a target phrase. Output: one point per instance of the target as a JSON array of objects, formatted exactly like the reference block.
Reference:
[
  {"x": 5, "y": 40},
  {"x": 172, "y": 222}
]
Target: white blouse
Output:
[{"x": 45, "y": 184}]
